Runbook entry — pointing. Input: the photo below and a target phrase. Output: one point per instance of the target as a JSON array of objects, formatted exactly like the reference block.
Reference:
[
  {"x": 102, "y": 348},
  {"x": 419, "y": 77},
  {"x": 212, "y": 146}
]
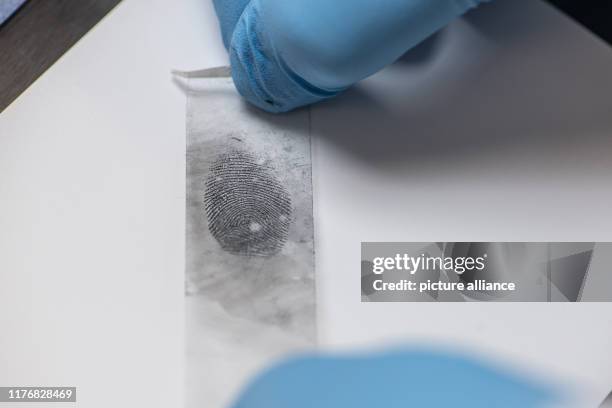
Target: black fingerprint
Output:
[{"x": 248, "y": 209}]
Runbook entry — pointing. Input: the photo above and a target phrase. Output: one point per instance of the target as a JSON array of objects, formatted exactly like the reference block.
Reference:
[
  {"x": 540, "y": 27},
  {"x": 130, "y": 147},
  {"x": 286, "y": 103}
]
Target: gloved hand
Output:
[
  {"x": 395, "y": 380},
  {"x": 290, "y": 53}
]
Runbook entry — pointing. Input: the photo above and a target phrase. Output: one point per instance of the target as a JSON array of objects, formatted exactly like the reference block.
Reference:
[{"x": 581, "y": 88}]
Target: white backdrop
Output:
[{"x": 92, "y": 196}]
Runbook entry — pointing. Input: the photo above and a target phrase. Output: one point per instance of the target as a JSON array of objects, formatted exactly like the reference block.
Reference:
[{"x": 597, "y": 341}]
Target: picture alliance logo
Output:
[{"x": 413, "y": 264}]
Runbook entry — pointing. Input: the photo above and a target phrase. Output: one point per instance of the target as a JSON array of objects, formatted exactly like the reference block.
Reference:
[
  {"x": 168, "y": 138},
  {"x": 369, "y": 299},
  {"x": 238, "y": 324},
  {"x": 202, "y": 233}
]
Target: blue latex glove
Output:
[
  {"x": 290, "y": 53},
  {"x": 394, "y": 380}
]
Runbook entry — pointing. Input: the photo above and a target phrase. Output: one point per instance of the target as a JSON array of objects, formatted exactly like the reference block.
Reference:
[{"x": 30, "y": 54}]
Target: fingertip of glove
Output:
[
  {"x": 260, "y": 75},
  {"x": 245, "y": 86}
]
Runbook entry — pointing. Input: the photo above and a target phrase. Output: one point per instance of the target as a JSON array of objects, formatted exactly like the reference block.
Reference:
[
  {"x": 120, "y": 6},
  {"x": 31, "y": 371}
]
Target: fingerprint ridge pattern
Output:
[{"x": 248, "y": 210}]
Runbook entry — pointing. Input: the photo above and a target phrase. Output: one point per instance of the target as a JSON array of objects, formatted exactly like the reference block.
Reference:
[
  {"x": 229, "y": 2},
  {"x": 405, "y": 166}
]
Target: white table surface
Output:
[{"x": 92, "y": 167}]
